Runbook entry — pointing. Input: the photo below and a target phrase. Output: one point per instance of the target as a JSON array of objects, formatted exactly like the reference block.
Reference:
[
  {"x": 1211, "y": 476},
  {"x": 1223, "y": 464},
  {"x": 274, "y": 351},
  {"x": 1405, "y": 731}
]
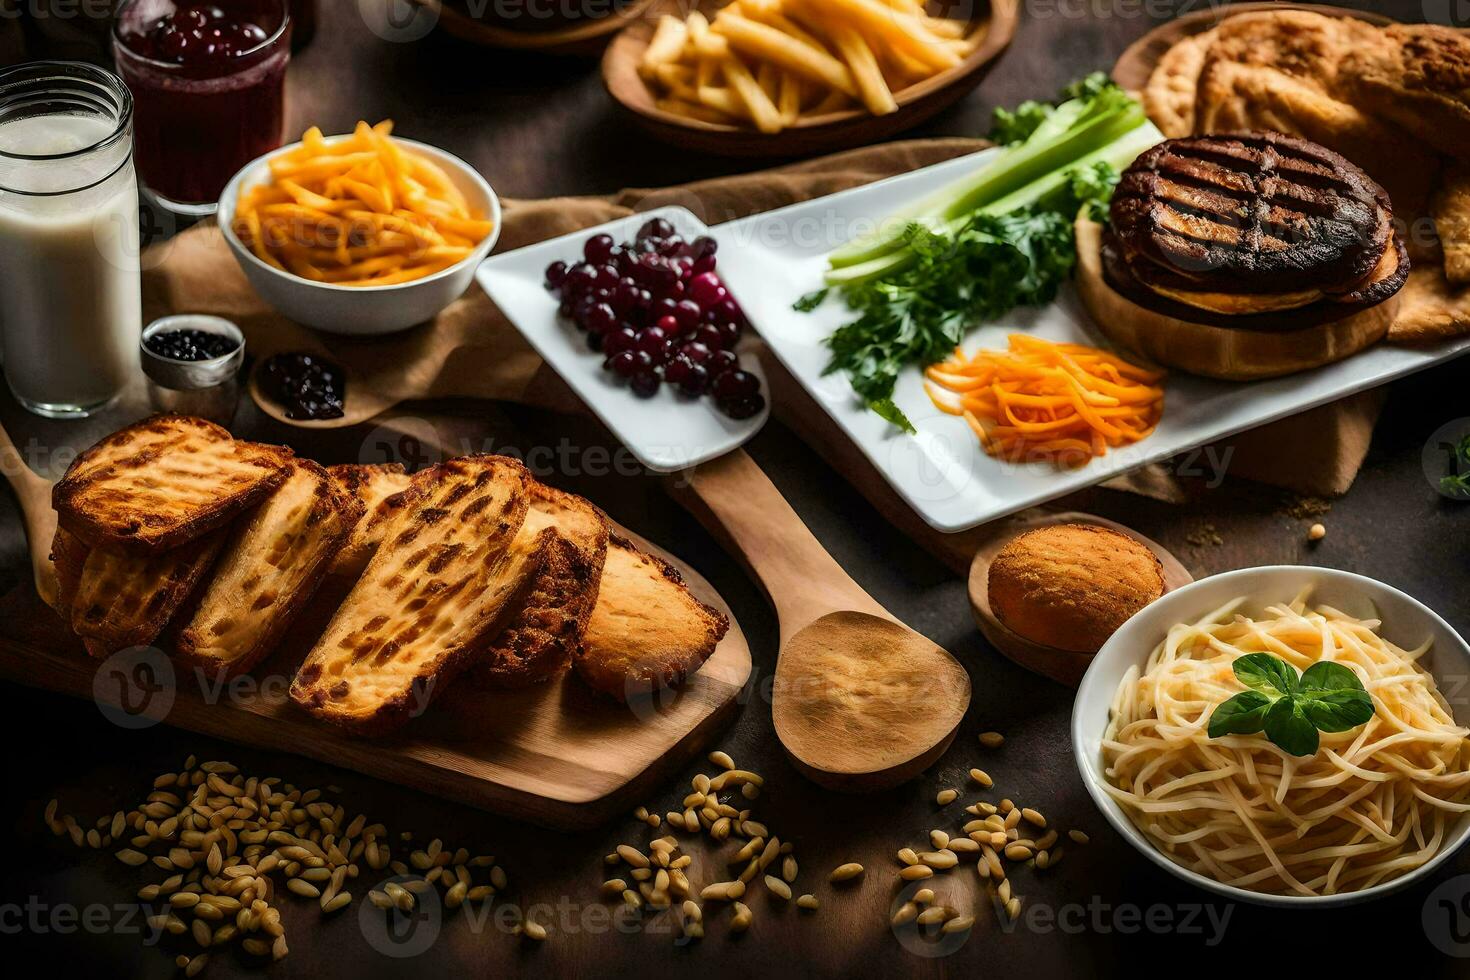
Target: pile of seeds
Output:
[
  {"x": 218, "y": 836},
  {"x": 657, "y": 878},
  {"x": 1000, "y": 836}
]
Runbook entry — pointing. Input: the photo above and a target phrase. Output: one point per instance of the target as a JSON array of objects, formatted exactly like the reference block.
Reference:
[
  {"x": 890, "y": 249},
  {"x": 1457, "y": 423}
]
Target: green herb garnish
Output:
[
  {"x": 995, "y": 240},
  {"x": 1457, "y": 484},
  {"x": 1291, "y": 709},
  {"x": 991, "y": 265},
  {"x": 810, "y": 301}
]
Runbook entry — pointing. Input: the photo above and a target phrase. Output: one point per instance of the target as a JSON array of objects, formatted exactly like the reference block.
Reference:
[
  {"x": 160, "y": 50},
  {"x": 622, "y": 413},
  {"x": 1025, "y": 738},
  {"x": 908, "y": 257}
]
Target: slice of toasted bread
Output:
[
  {"x": 378, "y": 489},
  {"x": 647, "y": 631},
  {"x": 271, "y": 566},
  {"x": 438, "y": 588},
  {"x": 68, "y": 553},
  {"x": 164, "y": 481},
  {"x": 125, "y": 597},
  {"x": 547, "y": 629}
]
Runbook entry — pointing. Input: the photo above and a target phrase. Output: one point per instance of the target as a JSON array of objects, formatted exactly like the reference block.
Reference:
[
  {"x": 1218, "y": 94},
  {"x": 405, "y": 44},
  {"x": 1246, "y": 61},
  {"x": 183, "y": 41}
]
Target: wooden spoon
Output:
[
  {"x": 860, "y": 702},
  {"x": 34, "y": 495},
  {"x": 1063, "y": 666}
]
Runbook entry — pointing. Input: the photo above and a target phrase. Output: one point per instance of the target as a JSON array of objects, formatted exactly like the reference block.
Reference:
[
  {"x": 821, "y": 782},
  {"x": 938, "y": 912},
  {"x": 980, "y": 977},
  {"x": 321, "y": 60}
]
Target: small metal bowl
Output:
[{"x": 205, "y": 389}]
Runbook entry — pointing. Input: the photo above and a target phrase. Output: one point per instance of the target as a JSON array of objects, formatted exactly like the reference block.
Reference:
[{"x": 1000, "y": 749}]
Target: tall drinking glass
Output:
[
  {"x": 71, "y": 304},
  {"x": 208, "y": 80}
]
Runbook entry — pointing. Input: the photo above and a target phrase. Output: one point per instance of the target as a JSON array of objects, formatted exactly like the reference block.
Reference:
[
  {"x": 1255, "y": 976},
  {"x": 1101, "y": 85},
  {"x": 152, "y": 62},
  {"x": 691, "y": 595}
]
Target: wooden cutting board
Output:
[{"x": 555, "y": 754}]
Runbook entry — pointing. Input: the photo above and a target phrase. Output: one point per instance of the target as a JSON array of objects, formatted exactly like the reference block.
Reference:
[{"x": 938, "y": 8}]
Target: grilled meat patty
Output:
[
  {"x": 1118, "y": 274},
  {"x": 1252, "y": 213}
]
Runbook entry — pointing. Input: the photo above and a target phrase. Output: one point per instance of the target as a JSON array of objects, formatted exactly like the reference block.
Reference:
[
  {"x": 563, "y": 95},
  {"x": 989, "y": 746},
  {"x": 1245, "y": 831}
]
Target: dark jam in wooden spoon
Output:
[{"x": 306, "y": 386}]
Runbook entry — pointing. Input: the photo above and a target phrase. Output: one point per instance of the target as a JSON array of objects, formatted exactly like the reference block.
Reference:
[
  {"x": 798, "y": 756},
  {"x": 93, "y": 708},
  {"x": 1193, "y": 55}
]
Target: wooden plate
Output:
[
  {"x": 818, "y": 134},
  {"x": 584, "y": 37},
  {"x": 1063, "y": 666},
  {"x": 1138, "y": 62},
  {"x": 554, "y": 754}
]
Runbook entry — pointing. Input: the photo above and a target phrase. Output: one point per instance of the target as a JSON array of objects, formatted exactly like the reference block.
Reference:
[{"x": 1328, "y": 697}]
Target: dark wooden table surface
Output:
[{"x": 544, "y": 127}]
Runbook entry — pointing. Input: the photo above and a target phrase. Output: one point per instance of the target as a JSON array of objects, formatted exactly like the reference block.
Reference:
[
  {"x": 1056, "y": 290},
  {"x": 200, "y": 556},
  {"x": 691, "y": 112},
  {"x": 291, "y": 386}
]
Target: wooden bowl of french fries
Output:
[
  {"x": 363, "y": 233},
  {"x": 794, "y": 77}
]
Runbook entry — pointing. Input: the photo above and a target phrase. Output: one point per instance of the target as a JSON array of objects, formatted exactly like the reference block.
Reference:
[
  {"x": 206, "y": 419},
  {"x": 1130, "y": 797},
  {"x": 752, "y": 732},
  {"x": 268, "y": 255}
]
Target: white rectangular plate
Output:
[
  {"x": 942, "y": 472},
  {"x": 667, "y": 432}
]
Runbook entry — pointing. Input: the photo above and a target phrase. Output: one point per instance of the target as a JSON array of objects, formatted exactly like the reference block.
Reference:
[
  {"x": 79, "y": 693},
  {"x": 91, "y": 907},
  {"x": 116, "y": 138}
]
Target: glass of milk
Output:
[{"x": 70, "y": 304}]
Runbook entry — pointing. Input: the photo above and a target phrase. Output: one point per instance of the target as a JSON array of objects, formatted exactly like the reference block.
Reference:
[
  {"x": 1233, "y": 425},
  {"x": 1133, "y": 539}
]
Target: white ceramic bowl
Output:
[
  {"x": 1406, "y": 622},
  {"x": 362, "y": 310}
]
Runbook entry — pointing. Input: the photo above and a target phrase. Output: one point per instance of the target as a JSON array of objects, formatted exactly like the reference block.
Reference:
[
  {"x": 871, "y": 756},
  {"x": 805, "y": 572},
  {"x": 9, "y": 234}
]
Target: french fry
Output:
[
  {"x": 723, "y": 100},
  {"x": 806, "y": 58},
  {"x": 789, "y": 100},
  {"x": 760, "y": 109},
  {"x": 902, "y": 31},
  {"x": 773, "y": 14},
  {"x": 678, "y": 80},
  {"x": 760, "y": 41},
  {"x": 942, "y": 27},
  {"x": 361, "y": 211},
  {"x": 768, "y": 77},
  {"x": 698, "y": 25},
  {"x": 833, "y": 101},
  {"x": 693, "y": 110},
  {"x": 667, "y": 42},
  {"x": 864, "y": 67},
  {"x": 711, "y": 45},
  {"x": 319, "y": 167},
  {"x": 907, "y": 68}
]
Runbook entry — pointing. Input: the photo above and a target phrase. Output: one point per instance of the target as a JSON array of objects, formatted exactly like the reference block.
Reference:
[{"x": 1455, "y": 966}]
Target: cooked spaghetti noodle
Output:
[{"x": 1374, "y": 803}]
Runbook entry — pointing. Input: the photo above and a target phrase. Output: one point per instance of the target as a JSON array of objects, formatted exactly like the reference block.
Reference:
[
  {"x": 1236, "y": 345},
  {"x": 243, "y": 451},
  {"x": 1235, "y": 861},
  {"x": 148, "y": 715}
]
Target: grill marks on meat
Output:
[{"x": 1251, "y": 213}]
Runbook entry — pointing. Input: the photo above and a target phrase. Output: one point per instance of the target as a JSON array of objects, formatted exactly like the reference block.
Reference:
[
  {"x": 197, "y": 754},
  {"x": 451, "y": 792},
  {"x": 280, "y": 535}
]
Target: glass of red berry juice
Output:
[{"x": 208, "y": 90}]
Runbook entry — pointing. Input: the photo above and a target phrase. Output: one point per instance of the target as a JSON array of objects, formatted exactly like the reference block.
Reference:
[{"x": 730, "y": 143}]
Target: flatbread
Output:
[
  {"x": 1430, "y": 309},
  {"x": 1169, "y": 96},
  {"x": 1309, "y": 47},
  {"x": 1418, "y": 76},
  {"x": 1236, "y": 97},
  {"x": 1451, "y": 211}
]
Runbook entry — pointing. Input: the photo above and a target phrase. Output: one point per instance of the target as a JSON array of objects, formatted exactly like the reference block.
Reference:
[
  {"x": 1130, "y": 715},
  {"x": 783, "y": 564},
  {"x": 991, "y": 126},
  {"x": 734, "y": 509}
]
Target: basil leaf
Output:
[
  {"x": 1270, "y": 675},
  {"x": 1289, "y": 728},
  {"x": 1339, "y": 711},
  {"x": 1243, "y": 714},
  {"x": 1333, "y": 697},
  {"x": 1325, "y": 677}
]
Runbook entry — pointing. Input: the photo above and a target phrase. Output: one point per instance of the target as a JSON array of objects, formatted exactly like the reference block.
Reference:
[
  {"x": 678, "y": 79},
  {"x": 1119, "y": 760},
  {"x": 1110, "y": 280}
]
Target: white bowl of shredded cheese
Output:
[{"x": 1377, "y": 807}]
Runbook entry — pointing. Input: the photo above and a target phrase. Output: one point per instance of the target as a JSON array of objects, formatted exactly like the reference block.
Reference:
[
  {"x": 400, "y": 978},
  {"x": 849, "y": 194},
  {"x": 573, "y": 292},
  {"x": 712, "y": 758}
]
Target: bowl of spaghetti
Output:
[{"x": 1374, "y": 807}]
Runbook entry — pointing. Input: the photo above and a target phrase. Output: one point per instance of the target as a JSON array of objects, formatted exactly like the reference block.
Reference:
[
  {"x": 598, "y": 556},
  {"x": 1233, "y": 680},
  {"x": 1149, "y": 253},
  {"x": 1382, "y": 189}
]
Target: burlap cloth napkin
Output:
[{"x": 471, "y": 350}]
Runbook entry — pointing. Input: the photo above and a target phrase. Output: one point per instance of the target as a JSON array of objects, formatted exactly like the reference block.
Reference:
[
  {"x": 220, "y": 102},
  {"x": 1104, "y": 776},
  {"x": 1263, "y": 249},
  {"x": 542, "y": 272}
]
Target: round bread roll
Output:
[
  {"x": 1217, "y": 351},
  {"x": 1070, "y": 586}
]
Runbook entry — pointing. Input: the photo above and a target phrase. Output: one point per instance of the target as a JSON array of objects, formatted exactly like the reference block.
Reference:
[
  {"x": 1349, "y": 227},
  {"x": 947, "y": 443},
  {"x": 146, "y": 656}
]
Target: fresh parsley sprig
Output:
[
  {"x": 1291, "y": 709},
  {"x": 989, "y": 266},
  {"x": 1457, "y": 483}
]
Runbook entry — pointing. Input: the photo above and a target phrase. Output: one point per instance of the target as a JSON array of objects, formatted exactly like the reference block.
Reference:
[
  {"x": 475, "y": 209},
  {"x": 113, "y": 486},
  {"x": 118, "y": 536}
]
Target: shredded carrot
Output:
[{"x": 1037, "y": 400}]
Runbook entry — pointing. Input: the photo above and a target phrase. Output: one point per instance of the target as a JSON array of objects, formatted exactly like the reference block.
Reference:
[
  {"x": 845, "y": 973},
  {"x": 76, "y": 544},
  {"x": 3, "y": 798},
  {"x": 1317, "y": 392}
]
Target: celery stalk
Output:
[
  {"x": 1088, "y": 127},
  {"x": 1118, "y": 154}
]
